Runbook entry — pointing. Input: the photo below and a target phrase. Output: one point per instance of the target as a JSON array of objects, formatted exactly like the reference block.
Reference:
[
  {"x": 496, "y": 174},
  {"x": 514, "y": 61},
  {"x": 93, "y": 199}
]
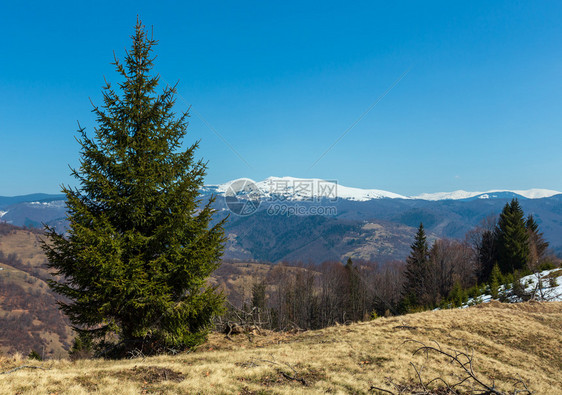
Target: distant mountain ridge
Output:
[
  {"x": 493, "y": 194},
  {"x": 9, "y": 200},
  {"x": 290, "y": 188},
  {"x": 368, "y": 224}
]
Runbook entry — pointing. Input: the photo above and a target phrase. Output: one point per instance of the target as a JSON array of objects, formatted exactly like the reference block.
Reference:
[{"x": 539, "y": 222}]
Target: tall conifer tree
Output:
[
  {"x": 512, "y": 238},
  {"x": 537, "y": 244},
  {"x": 487, "y": 254},
  {"x": 140, "y": 243},
  {"x": 417, "y": 272}
]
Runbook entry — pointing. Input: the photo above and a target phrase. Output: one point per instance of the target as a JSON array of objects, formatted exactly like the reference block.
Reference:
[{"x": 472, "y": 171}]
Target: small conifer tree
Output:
[
  {"x": 34, "y": 355},
  {"x": 495, "y": 281},
  {"x": 458, "y": 295}
]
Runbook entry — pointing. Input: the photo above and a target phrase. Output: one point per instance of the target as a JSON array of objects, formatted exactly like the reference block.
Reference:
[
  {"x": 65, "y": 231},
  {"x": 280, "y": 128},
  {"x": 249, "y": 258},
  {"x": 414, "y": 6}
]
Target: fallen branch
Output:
[
  {"x": 288, "y": 377},
  {"x": 405, "y": 327},
  {"x": 464, "y": 360},
  {"x": 23, "y": 367},
  {"x": 456, "y": 356},
  {"x": 380, "y": 389},
  {"x": 299, "y": 379}
]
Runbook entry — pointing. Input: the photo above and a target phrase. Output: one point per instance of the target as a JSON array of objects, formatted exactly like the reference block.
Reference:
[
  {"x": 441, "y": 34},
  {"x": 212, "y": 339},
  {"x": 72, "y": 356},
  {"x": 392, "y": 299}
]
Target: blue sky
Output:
[{"x": 479, "y": 107}]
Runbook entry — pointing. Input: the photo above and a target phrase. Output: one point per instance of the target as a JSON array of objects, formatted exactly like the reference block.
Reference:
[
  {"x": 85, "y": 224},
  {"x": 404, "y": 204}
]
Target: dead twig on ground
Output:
[
  {"x": 23, "y": 367},
  {"x": 463, "y": 360},
  {"x": 405, "y": 327},
  {"x": 284, "y": 374}
]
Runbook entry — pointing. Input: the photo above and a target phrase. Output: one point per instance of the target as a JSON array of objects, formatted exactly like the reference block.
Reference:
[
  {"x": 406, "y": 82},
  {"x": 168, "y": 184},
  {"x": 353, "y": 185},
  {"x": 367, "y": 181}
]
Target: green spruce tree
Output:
[
  {"x": 538, "y": 246},
  {"x": 487, "y": 254},
  {"x": 458, "y": 295},
  {"x": 495, "y": 281},
  {"x": 140, "y": 244},
  {"x": 512, "y": 238},
  {"x": 415, "y": 293}
]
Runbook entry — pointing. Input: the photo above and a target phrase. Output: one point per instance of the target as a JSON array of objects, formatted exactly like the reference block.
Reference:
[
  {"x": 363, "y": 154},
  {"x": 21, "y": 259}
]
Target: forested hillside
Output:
[{"x": 31, "y": 320}]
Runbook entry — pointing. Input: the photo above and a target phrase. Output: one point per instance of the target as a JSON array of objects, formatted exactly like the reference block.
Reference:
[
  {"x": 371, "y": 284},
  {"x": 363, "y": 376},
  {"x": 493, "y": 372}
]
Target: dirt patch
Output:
[
  {"x": 150, "y": 374},
  {"x": 247, "y": 391},
  {"x": 530, "y": 307},
  {"x": 265, "y": 338},
  {"x": 416, "y": 388},
  {"x": 300, "y": 376},
  {"x": 88, "y": 382},
  {"x": 366, "y": 360}
]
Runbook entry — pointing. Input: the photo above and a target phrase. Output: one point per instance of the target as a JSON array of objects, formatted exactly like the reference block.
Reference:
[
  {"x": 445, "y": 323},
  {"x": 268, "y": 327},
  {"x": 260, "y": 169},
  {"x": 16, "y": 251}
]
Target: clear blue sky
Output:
[{"x": 480, "y": 108}]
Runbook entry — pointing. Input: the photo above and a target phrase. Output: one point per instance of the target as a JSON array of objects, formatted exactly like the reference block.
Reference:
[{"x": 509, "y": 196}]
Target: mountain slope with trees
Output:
[{"x": 30, "y": 317}]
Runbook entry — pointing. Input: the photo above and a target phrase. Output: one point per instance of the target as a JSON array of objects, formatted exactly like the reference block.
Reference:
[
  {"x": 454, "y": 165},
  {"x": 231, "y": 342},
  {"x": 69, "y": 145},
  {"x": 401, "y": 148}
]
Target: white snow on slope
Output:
[
  {"x": 460, "y": 194},
  {"x": 455, "y": 195},
  {"x": 49, "y": 204},
  {"x": 537, "y": 193},
  {"x": 537, "y": 285},
  {"x": 301, "y": 189},
  {"x": 292, "y": 188}
]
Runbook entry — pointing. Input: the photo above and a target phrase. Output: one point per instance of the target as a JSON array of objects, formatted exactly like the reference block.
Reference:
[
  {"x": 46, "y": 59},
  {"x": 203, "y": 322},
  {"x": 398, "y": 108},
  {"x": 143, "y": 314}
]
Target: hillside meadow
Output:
[{"x": 509, "y": 342}]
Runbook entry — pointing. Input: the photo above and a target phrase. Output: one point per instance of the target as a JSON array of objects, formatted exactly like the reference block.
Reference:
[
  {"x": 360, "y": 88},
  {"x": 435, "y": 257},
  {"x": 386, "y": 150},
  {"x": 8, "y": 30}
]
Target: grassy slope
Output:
[
  {"x": 25, "y": 244},
  {"x": 508, "y": 340}
]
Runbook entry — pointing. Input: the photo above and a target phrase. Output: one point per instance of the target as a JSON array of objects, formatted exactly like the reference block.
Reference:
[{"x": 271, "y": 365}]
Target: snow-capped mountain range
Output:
[
  {"x": 369, "y": 224},
  {"x": 291, "y": 188}
]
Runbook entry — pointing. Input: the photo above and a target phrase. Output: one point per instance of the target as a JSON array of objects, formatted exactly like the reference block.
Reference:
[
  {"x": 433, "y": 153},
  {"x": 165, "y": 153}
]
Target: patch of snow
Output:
[
  {"x": 455, "y": 195},
  {"x": 537, "y": 285},
  {"x": 460, "y": 194},
  {"x": 50, "y": 204},
  {"x": 536, "y": 193}
]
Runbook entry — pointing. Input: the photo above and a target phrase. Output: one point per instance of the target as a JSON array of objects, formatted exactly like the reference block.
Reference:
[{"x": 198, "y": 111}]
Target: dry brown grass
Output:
[
  {"x": 509, "y": 341},
  {"x": 26, "y": 245}
]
